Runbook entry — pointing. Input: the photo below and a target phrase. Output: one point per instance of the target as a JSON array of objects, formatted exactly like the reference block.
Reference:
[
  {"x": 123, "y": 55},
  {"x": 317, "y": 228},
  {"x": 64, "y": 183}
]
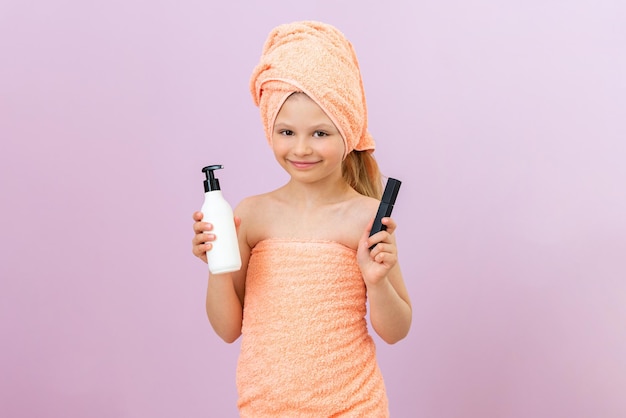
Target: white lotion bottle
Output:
[{"x": 224, "y": 256}]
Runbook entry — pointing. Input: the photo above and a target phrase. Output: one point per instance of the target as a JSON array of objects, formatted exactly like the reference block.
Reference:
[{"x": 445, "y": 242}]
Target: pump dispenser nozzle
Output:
[{"x": 211, "y": 183}]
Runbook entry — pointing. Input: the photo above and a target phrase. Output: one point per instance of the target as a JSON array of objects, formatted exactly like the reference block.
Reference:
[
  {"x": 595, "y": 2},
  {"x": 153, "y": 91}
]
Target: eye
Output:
[
  {"x": 320, "y": 134},
  {"x": 286, "y": 132}
]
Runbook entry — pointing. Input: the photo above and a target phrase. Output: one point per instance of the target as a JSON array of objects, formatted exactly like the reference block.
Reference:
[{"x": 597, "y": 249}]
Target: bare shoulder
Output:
[
  {"x": 245, "y": 208},
  {"x": 250, "y": 207},
  {"x": 363, "y": 209},
  {"x": 359, "y": 212},
  {"x": 257, "y": 213}
]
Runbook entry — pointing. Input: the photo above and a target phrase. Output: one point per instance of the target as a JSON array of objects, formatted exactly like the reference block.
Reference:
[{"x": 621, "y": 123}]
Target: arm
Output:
[
  {"x": 390, "y": 307},
  {"x": 225, "y": 292}
]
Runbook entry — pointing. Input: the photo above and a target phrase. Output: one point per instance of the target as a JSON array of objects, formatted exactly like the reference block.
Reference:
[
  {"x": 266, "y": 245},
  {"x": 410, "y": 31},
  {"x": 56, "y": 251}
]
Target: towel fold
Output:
[
  {"x": 305, "y": 349},
  {"x": 316, "y": 59}
]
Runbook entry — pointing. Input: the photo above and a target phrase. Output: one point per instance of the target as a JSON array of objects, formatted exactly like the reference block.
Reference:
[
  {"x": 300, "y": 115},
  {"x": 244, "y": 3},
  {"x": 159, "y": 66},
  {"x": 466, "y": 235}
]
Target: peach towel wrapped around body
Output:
[{"x": 305, "y": 349}]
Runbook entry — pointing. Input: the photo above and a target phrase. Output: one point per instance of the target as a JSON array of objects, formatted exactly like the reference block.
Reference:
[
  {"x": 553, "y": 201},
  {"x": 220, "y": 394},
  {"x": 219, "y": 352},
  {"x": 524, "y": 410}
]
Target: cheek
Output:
[
  {"x": 279, "y": 146},
  {"x": 335, "y": 148}
]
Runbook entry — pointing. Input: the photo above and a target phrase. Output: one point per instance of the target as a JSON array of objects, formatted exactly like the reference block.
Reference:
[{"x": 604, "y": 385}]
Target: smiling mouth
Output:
[{"x": 303, "y": 164}]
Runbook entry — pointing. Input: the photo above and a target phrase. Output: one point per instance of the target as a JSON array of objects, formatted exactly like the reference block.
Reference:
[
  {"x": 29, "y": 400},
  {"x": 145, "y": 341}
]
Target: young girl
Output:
[{"x": 299, "y": 300}]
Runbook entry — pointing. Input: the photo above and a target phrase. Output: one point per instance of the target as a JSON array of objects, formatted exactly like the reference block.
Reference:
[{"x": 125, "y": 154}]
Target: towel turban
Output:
[{"x": 316, "y": 59}]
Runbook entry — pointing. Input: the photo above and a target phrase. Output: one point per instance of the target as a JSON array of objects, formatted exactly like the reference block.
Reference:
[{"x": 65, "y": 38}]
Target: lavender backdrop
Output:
[{"x": 506, "y": 121}]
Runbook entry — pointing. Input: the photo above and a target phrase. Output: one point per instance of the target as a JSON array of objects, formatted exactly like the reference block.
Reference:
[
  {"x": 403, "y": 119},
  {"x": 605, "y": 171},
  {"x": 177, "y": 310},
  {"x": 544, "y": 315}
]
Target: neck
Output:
[{"x": 317, "y": 194}]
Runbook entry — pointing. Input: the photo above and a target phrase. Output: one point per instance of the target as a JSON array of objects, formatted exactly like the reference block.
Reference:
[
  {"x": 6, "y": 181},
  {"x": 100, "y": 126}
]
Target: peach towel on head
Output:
[
  {"x": 305, "y": 350},
  {"x": 314, "y": 58}
]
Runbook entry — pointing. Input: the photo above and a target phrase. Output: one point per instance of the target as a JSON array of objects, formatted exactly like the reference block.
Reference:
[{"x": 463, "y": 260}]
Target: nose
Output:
[{"x": 302, "y": 146}]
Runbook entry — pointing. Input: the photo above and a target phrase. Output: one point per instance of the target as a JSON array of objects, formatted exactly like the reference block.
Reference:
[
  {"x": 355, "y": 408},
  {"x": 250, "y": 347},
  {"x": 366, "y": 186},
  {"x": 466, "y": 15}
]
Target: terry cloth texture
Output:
[
  {"x": 305, "y": 350},
  {"x": 316, "y": 59}
]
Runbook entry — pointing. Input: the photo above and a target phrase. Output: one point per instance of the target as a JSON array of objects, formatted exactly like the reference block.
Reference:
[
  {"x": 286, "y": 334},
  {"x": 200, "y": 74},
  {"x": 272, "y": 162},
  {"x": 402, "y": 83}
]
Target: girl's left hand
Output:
[{"x": 376, "y": 263}]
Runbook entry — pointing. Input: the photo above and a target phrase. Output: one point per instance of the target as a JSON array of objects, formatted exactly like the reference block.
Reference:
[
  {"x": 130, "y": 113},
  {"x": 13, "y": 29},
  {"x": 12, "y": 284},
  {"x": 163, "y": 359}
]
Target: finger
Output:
[
  {"x": 203, "y": 238},
  {"x": 384, "y": 235},
  {"x": 197, "y": 216},
  {"x": 378, "y": 249},
  {"x": 390, "y": 224},
  {"x": 375, "y": 240},
  {"x": 200, "y": 249},
  {"x": 202, "y": 242},
  {"x": 201, "y": 255},
  {"x": 388, "y": 259},
  {"x": 372, "y": 242},
  {"x": 200, "y": 227},
  {"x": 387, "y": 248}
]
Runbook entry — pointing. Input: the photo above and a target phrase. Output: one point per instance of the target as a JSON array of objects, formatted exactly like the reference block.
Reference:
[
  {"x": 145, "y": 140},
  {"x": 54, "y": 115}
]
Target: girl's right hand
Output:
[{"x": 203, "y": 238}]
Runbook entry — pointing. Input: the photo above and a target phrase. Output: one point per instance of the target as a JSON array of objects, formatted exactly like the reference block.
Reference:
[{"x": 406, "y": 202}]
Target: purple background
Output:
[{"x": 505, "y": 120}]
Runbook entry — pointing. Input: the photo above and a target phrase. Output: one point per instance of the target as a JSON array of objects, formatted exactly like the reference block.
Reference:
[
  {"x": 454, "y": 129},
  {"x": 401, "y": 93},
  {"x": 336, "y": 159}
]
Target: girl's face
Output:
[{"x": 305, "y": 141}]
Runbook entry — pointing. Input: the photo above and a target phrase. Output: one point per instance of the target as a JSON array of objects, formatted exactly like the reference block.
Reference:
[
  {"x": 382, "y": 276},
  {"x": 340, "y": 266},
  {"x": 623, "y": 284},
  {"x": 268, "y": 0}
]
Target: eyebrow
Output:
[
  {"x": 318, "y": 127},
  {"x": 325, "y": 127}
]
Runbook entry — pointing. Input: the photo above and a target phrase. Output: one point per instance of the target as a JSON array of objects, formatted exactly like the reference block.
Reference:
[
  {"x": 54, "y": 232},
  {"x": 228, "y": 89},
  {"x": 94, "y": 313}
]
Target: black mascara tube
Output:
[{"x": 386, "y": 205}]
